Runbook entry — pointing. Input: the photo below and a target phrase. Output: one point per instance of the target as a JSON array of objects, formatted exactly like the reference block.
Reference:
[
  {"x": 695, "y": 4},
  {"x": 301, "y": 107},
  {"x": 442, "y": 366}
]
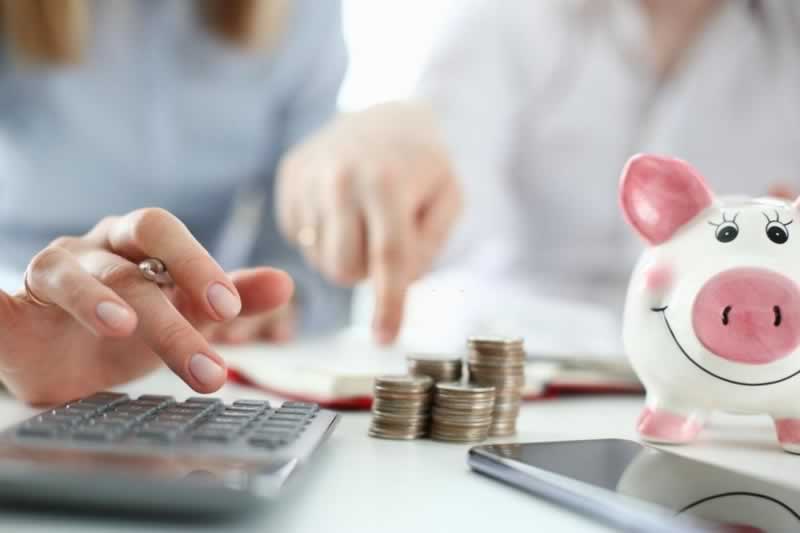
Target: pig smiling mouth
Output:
[{"x": 663, "y": 311}]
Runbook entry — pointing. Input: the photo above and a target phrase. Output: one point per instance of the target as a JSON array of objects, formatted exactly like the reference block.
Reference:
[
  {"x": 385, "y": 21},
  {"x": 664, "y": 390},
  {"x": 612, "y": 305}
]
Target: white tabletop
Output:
[{"x": 357, "y": 483}]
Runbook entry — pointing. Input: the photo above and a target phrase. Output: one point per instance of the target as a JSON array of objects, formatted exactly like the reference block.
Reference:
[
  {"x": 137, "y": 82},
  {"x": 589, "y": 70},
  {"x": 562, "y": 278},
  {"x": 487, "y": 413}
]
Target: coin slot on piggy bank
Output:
[{"x": 712, "y": 316}]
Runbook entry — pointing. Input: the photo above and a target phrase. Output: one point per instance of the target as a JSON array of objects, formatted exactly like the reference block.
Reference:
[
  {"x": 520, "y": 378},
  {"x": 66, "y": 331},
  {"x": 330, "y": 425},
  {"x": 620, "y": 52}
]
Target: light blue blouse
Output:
[{"x": 163, "y": 113}]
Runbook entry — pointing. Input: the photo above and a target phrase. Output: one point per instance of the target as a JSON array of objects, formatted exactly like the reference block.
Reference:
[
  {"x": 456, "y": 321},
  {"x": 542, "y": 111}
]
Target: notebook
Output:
[{"x": 338, "y": 371}]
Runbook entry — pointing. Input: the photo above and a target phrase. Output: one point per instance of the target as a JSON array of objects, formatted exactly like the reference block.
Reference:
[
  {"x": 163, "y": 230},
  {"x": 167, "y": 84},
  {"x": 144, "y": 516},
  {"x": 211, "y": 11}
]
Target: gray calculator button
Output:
[
  {"x": 271, "y": 439},
  {"x": 92, "y": 434},
  {"x": 77, "y": 408},
  {"x": 213, "y": 436},
  {"x": 38, "y": 430},
  {"x": 172, "y": 417},
  {"x": 228, "y": 421},
  {"x": 157, "y": 399},
  {"x": 106, "y": 399},
  {"x": 228, "y": 415},
  {"x": 294, "y": 411},
  {"x": 213, "y": 427},
  {"x": 302, "y": 405},
  {"x": 241, "y": 411},
  {"x": 203, "y": 400},
  {"x": 157, "y": 434},
  {"x": 60, "y": 419},
  {"x": 251, "y": 404},
  {"x": 278, "y": 424},
  {"x": 288, "y": 417},
  {"x": 109, "y": 427}
]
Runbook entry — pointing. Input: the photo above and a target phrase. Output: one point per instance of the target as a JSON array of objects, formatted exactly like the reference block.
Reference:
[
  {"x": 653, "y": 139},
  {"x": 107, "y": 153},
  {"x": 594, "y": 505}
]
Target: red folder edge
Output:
[{"x": 364, "y": 403}]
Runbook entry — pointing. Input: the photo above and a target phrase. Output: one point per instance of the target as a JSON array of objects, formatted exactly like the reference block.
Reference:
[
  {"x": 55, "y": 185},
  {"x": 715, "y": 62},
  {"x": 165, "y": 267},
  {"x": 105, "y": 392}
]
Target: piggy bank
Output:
[{"x": 712, "y": 316}]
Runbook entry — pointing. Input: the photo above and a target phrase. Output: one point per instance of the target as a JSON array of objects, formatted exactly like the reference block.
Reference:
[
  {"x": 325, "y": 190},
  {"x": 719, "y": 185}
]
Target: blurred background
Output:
[{"x": 387, "y": 41}]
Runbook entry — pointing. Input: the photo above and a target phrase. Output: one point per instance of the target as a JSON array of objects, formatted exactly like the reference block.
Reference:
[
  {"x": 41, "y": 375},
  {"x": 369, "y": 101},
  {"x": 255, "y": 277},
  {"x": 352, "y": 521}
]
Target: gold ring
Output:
[
  {"x": 155, "y": 270},
  {"x": 31, "y": 295},
  {"x": 307, "y": 237}
]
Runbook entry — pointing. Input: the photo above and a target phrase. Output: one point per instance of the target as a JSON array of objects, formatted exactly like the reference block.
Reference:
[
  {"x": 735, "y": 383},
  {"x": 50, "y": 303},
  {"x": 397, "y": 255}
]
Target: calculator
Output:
[{"x": 156, "y": 454}]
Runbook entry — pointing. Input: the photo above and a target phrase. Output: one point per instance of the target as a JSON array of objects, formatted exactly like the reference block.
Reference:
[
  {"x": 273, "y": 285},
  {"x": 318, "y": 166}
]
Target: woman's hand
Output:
[
  {"x": 371, "y": 195},
  {"x": 106, "y": 324}
]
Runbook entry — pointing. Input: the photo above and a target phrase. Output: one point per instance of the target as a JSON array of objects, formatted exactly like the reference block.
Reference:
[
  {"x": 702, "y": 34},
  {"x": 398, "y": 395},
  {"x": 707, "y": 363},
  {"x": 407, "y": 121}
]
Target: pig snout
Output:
[{"x": 748, "y": 315}]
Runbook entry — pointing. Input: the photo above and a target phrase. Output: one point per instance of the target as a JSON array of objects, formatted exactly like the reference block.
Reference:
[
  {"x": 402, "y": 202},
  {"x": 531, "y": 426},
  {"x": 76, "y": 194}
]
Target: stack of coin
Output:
[
  {"x": 401, "y": 409},
  {"x": 462, "y": 412},
  {"x": 499, "y": 362},
  {"x": 439, "y": 367}
]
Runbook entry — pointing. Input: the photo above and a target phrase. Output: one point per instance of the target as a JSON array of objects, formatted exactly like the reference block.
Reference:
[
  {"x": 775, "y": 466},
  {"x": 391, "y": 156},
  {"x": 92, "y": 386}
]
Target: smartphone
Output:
[{"x": 634, "y": 487}]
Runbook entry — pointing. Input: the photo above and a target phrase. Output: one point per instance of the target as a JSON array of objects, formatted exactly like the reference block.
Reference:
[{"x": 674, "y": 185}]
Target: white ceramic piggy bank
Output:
[{"x": 712, "y": 318}]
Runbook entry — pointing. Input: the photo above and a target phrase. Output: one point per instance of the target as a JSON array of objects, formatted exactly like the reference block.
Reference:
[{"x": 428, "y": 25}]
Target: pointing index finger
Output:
[{"x": 389, "y": 226}]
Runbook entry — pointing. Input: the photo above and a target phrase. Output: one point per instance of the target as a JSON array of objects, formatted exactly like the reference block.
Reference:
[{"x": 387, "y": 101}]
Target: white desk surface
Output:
[{"x": 357, "y": 483}]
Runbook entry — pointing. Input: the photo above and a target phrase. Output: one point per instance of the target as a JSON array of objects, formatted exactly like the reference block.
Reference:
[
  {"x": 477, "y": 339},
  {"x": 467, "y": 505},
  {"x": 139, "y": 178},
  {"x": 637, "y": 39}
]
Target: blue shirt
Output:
[{"x": 163, "y": 113}]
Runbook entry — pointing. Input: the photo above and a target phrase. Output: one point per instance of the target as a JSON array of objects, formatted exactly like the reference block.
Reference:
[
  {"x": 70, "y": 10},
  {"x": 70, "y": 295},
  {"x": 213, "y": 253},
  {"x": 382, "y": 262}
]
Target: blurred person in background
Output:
[
  {"x": 542, "y": 103},
  {"x": 134, "y": 129}
]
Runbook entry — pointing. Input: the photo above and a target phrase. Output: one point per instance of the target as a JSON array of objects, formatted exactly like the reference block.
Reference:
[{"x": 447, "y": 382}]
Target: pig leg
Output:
[
  {"x": 788, "y": 429},
  {"x": 665, "y": 422}
]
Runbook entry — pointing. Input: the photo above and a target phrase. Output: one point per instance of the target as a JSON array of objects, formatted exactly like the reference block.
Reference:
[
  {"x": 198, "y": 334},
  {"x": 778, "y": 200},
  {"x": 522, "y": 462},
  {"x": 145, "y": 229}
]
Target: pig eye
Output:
[
  {"x": 727, "y": 230},
  {"x": 777, "y": 231}
]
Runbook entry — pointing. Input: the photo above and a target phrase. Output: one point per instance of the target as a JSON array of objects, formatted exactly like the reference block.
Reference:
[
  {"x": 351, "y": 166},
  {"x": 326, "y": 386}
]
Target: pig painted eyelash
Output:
[
  {"x": 776, "y": 219},
  {"x": 724, "y": 220}
]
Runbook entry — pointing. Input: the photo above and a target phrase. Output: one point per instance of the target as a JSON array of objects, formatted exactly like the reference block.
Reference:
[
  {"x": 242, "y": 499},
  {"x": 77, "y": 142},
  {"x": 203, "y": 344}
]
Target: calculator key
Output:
[
  {"x": 109, "y": 427},
  {"x": 242, "y": 411},
  {"x": 212, "y": 436},
  {"x": 270, "y": 440},
  {"x": 228, "y": 420},
  {"x": 297, "y": 419},
  {"x": 244, "y": 417},
  {"x": 278, "y": 424},
  {"x": 156, "y": 399},
  {"x": 66, "y": 420},
  {"x": 252, "y": 404},
  {"x": 82, "y": 408},
  {"x": 157, "y": 434},
  {"x": 106, "y": 399},
  {"x": 294, "y": 411},
  {"x": 302, "y": 405},
  {"x": 93, "y": 434},
  {"x": 202, "y": 400},
  {"x": 179, "y": 418},
  {"x": 40, "y": 431},
  {"x": 111, "y": 418},
  {"x": 165, "y": 425}
]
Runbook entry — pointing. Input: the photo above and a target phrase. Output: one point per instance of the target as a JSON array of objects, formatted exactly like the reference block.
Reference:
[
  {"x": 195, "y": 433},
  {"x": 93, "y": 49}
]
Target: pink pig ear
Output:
[{"x": 660, "y": 194}]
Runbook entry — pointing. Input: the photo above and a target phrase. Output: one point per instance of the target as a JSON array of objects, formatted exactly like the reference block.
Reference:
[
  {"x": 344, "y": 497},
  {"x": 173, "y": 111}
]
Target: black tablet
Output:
[{"x": 638, "y": 488}]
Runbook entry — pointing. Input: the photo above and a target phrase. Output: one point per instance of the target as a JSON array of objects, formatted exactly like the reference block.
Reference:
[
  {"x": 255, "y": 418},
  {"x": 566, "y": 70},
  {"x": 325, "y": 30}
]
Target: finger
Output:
[
  {"x": 262, "y": 289},
  {"x": 434, "y": 225},
  {"x": 280, "y": 328},
  {"x": 55, "y": 275},
  {"x": 343, "y": 241},
  {"x": 389, "y": 224},
  {"x": 240, "y": 330},
  {"x": 287, "y": 203},
  {"x": 162, "y": 327},
  {"x": 158, "y": 233}
]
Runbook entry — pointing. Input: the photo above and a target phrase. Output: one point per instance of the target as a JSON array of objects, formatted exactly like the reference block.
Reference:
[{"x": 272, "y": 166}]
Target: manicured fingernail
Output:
[
  {"x": 223, "y": 301},
  {"x": 206, "y": 370},
  {"x": 112, "y": 314}
]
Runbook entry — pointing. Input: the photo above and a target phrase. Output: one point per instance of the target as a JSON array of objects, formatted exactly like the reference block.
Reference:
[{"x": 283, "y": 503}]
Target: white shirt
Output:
[{"x": 542, "y": 102}]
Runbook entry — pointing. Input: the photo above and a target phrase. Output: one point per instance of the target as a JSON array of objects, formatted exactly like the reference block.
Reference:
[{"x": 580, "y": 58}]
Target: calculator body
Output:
[{"x": 133, "y": 470}]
